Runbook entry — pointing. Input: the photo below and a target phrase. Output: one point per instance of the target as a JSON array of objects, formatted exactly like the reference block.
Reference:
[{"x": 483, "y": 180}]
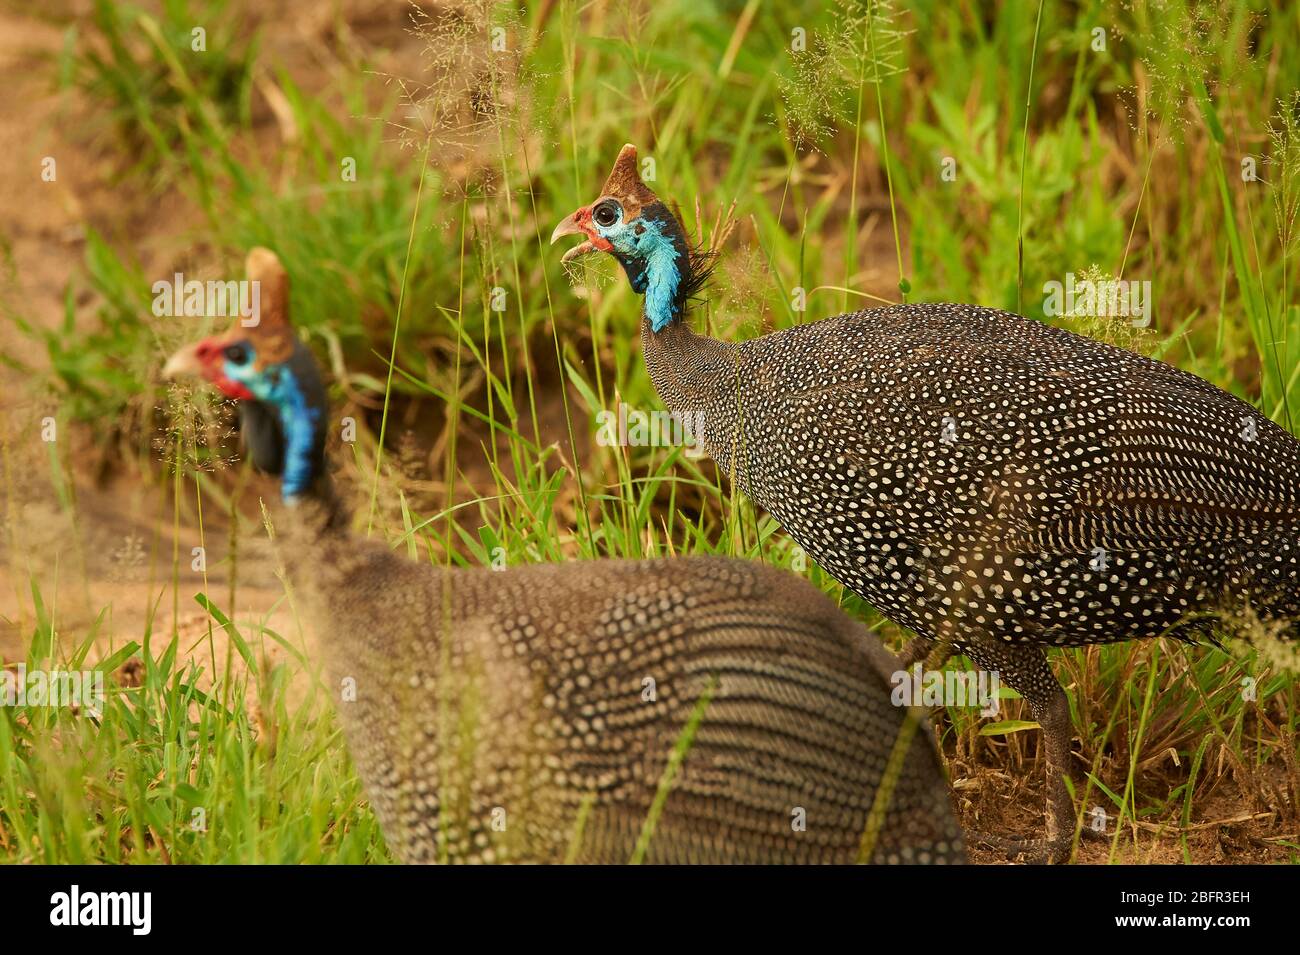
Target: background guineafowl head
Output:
[
  {"x": 632, "y": 224},
  {"x": 271, "y": 373}
]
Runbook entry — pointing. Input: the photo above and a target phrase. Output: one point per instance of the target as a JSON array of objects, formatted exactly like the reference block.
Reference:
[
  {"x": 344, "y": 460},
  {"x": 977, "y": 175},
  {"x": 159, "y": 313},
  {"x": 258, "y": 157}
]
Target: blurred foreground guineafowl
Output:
[
  {"x": 993, "y": 483},
  {"x": 534, "y": 714}
]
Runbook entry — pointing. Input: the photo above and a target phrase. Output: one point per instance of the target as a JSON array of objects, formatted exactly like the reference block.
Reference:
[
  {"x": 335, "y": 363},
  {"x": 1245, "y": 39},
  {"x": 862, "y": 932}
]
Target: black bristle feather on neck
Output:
[
  {"x": 259, "y": 426},
  {"x": 700, "y": 263},
  {"x": 699, "y": 260}
]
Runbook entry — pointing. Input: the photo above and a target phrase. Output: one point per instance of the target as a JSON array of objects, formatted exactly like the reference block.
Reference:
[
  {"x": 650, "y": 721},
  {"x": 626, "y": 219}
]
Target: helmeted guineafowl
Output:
[
  {"x": 533, "y": 714},
  {"x": 991, "y": 482}
]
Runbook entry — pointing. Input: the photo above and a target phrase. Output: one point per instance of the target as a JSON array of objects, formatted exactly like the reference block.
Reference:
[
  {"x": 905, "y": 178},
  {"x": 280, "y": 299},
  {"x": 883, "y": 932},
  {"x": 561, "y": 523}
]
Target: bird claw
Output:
[{"x": 1048, "y": 851}]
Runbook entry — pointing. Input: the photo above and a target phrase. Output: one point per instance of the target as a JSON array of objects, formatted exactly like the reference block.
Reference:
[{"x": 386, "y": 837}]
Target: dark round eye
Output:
[
  {"x": 605, "y": 214},
  {"x": 236, "y": 354}
]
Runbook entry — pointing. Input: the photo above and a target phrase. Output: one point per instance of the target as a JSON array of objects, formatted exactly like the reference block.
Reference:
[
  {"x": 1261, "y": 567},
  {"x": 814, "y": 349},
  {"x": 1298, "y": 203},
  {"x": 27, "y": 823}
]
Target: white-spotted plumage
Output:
[
  {"x": 1000, "y": 486},
  {"x": 994, "y": 483},
  {"x": 958, "y": 465}
]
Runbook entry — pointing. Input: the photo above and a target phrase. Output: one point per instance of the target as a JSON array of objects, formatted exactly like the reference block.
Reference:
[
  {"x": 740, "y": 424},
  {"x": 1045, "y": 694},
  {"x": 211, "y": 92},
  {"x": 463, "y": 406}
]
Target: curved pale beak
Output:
[
  {"x": 184, "y": 362},
  {"x": 570, "y": 226}
]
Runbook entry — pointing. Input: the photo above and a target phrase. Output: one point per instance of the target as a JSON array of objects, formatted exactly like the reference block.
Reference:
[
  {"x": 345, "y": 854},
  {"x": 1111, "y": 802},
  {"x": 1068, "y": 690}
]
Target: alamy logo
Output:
[
  {"x": 194, "y": 299},
  {"x": 103, "y": 908},
  {"x": 1102, "y": 298},
  {"x": 629, "y": 428},
  {"x": 921, "y": 687},
  {"x": 23, "y": 687}
]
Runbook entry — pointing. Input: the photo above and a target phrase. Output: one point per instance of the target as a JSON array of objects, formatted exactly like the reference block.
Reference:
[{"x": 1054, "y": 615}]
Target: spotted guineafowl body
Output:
[
  {"x": 691, "y": 710},
  {"x": 965, "y": 466},
  {"x": 993, "y": 483},
  {"x": 530, "y": 714}
]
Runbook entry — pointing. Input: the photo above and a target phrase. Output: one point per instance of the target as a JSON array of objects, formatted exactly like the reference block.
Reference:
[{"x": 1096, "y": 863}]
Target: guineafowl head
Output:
[
  {"x": 631, "y": 223},
  {"x": 271, "y": 373}
]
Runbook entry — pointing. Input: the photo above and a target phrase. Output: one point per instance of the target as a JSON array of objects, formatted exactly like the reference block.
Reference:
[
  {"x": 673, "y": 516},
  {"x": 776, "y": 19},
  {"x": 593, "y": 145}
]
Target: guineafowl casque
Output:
[
  {"x": 995, "y": 484},
  {"x": 531, "y": 714}
]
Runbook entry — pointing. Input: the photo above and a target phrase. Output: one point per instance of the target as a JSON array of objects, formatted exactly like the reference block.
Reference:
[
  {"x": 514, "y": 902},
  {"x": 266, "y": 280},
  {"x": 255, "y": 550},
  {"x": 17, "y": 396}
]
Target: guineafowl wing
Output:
[
  {"x": 970, "y": 425},
  {"x": 1001, "y": 466},
  {"x": 540, "y": 718}
]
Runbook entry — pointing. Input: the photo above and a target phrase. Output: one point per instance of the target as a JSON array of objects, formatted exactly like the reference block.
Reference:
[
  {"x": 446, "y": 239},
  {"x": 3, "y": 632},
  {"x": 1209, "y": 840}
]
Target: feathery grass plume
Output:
[
  {"x": 1175, "y": 44},
  {"x": 463, "y": 118},
  {"x": 587, "y": 272},
  {"x": 1270, "y": 639},
  {"x": 812, "y": 102},
  {"x": 201, "y": 425},
  {"x": 473, "y": 58},
  {"x": 1113, "y": 328},
  {"x": 128, "y": 559},
  {"x": 704, "y": 248},
  {"x": 746, "y": 284},
  {"x": 1283, "y": 161},
  {"x": 747, "y": 287},
  {"x": 863, "y": 45},
  {"x": 411, "y": 460}
]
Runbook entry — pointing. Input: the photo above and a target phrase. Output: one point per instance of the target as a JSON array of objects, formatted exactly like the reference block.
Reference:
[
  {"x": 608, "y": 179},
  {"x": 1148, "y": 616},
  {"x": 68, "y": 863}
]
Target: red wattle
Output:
[{"x": 232, "y": 389}]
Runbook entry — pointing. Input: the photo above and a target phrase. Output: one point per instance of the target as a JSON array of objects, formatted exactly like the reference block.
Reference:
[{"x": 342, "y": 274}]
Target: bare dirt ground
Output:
[
  {"x": 104, "y": 545},
  {"x": 106, "y": 549}
]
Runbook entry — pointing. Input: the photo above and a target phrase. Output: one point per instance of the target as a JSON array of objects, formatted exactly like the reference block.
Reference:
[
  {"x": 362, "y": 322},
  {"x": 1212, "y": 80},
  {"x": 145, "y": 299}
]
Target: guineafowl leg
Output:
[
  {"x": 921, "y": 648},
  {"x": 1025, "y": 669},
  {"x": 917, "y": 650}
]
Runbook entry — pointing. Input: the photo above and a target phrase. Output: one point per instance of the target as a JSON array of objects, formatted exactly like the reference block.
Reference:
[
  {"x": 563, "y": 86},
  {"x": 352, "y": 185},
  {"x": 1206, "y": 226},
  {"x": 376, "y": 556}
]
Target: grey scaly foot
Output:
[
  {"x": 1024, "y": 851},
  {"x": 915, "y": 652},
  {"x": 1025, "y": 669}
]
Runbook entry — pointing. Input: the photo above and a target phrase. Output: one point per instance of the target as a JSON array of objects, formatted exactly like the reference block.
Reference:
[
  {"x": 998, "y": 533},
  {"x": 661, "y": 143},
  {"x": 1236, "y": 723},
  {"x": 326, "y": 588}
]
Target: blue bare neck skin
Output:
[
  {"x": 299, "y": 421},
  {"x": 653, "y": 254}
]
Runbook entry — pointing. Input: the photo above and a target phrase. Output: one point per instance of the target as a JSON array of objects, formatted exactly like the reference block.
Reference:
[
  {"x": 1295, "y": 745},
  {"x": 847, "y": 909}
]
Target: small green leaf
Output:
[
  {"x": 111, "y": 663},
  {"x": 1007, "y": 727},
  {"x": 189, "y": 794},
  {"x": 228, "y": 625}
]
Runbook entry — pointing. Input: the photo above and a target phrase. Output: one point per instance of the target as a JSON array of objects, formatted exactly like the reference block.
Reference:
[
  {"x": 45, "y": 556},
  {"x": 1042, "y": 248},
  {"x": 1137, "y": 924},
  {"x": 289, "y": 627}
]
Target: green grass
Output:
[
  {"x": 1126, "y": 160},
  {"x": 172, "y": 772}
]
